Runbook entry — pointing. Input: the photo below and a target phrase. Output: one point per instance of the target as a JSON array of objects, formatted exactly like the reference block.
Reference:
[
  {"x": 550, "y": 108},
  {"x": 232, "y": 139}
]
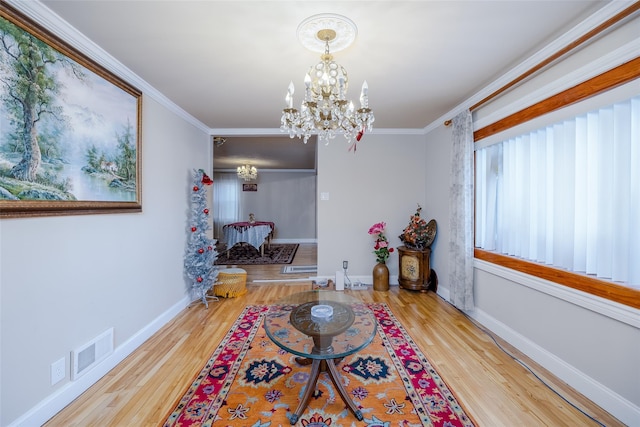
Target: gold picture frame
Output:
[{"x": 70, "y": 137}]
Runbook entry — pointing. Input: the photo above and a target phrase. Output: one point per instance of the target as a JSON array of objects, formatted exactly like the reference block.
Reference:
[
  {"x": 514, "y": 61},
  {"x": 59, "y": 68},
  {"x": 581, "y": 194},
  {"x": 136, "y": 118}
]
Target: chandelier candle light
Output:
[
  {"x": 325, "y": 109},
  {"x": 247, "y": 172}
]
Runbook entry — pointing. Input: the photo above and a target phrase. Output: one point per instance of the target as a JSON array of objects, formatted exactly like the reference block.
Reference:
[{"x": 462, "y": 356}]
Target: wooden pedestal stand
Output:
[{"x": 415, "y": 270}]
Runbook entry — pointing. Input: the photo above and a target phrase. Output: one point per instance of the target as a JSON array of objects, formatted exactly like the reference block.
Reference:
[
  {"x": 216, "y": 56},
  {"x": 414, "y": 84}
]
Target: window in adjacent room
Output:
[{"x": 226, "y": 205}]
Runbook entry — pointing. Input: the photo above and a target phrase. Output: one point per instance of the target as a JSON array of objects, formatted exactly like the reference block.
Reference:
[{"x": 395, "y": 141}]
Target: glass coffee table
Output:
[{"x": 321, "y": 327}]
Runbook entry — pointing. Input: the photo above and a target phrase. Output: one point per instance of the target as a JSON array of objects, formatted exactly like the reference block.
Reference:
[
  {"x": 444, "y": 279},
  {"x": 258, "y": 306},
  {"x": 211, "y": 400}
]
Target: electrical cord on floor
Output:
[
  {"x": 347, "y": 281},
  {"x": 524, "y": 365}
]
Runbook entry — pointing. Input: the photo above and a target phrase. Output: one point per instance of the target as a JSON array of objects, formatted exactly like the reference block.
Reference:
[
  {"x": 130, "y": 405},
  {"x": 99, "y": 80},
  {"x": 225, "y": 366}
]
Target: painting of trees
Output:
[
  {"x": 69, "y": 130},
  {"x": 29, "y": 91}
]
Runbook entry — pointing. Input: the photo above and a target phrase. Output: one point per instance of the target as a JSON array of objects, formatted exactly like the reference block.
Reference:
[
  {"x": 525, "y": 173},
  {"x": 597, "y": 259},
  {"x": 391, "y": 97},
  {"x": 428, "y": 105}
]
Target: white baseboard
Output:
[
  {"x": 618, "y": 406},
  {"x": 302, "y": 241},
  {"x": 444, "y": 293},
  {"x": 55, "y": 402},
  {"x": 367, "y": 280}
]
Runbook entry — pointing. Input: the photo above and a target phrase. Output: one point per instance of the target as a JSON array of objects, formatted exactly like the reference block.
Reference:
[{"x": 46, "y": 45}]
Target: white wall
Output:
[
  {"x": 384, "y": 180},
  {"x": 286, "y": 198},
  {"x": 438, "y": 172},
  {"x": 64, "y": 280}
]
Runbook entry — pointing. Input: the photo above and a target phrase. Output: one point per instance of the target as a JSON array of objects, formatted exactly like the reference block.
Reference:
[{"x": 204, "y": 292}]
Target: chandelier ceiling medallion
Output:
[
  {"x": 247, "y": 172},
  {"x": 325, "y": 109}
]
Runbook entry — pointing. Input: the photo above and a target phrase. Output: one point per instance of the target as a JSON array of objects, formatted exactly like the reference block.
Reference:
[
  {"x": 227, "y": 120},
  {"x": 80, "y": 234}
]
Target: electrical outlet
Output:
[
  {"x": 58, "y": 371},
  {"x": 345, "y": 265}
]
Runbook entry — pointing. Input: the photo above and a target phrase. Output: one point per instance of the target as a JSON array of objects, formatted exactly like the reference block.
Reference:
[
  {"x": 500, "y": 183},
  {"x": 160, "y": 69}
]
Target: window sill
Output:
[{"x": 613, "y": 300}]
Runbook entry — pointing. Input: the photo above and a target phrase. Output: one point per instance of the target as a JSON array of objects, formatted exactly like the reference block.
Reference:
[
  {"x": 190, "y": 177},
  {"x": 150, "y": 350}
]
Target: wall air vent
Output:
[{"x": 84, "y": 358}]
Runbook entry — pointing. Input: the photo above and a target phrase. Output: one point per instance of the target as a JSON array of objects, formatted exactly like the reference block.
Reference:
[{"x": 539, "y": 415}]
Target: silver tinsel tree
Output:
[{"x": 201, "y": 251}]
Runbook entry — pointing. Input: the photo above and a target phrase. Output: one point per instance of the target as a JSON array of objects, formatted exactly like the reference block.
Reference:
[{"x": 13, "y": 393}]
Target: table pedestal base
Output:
[{"x": 317, "y": 366}]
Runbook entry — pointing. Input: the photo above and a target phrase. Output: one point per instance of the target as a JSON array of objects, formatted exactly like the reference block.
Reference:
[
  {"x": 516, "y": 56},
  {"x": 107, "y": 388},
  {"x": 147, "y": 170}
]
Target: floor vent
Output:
[
  {"x": 90, "y": 354},
  {"x": 289, "y": 269}
]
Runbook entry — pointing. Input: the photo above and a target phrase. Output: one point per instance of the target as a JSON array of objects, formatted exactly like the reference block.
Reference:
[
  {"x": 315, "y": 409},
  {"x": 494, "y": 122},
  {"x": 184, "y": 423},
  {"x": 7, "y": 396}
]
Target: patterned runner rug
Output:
[
  {"x": 245, "y": 254},
  {"x": 249, "y": 381}
]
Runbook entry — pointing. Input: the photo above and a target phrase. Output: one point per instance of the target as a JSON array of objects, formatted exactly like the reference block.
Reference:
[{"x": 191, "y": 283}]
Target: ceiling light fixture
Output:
[
  {"x": 247, "y": 172},
  {"x": 325, "y": 109}
]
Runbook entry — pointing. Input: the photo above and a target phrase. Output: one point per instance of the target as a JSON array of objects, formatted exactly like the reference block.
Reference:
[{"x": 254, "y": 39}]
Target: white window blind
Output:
[{"x": 567, "y": 194}]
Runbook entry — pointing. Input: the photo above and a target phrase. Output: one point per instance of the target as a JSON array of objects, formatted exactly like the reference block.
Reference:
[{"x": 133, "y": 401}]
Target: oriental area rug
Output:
[
  {"x": 251, "y": 382},
  {"x": 245, "y": 254}
]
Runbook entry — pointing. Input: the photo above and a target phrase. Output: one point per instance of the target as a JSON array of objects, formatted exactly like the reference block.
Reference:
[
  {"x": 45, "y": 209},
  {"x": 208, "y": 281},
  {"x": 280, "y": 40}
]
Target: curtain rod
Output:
[{"x": 568, "y": 48}]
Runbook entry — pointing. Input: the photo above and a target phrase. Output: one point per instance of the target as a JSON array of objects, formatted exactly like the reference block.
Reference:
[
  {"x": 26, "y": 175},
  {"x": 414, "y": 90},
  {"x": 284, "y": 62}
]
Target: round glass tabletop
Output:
[{"x": 320, "y": 324}]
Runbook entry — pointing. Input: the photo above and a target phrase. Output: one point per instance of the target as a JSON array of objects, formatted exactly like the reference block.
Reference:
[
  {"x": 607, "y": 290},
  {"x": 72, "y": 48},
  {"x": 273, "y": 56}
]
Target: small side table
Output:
[
  {"x": 415, "y": 269},
  {"x": 321, "y": 342}
]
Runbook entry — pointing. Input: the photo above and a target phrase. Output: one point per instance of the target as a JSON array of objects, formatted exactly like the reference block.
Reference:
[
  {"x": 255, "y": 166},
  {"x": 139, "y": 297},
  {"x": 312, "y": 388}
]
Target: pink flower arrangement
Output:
[{"x": 381, "y": 247}]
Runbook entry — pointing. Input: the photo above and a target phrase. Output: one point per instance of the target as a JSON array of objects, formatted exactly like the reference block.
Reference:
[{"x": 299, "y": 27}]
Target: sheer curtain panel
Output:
[
  {"x": 226, "y": 206},
  {"x": 461, "y": 210}
]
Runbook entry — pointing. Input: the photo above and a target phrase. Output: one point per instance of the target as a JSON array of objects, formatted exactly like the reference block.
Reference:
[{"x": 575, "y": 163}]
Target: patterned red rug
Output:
[
  {"x": 245, "y": 254},
  {"x": 249, "y": 381}
]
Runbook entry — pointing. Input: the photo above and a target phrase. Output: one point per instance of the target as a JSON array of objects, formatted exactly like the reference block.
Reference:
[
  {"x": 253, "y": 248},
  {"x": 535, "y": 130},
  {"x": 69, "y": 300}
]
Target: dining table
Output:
[{"x": 255, "y": 233}]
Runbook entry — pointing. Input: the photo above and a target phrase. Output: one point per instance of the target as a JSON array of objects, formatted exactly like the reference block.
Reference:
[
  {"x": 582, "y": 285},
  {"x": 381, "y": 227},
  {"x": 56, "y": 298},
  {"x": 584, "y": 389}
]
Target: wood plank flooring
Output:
[{"x": 493, "y": 388}]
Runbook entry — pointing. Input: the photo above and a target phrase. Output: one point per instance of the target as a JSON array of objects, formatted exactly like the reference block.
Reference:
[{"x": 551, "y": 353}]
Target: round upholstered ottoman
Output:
[{"x": 232, "y": 282}]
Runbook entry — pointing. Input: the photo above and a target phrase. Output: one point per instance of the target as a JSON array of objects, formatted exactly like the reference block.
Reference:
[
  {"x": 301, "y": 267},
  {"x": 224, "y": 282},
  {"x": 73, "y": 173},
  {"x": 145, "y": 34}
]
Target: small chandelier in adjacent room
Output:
[
  {"x": 247, "y": 172},
  {"x": 325, "y": 109}
]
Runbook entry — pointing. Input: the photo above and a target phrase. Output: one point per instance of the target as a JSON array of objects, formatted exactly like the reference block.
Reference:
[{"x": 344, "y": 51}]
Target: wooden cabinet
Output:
[{"x": 415, "y": 269}]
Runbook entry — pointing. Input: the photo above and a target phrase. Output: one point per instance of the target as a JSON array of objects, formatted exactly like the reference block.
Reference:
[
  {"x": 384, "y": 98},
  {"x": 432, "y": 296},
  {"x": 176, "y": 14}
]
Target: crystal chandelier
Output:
[
  {"x": 247, "y": 172},
  {"x": 325, "y": 109}
]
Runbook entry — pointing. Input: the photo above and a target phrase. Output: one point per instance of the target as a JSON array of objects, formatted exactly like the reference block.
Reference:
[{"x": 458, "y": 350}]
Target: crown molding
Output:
[
  {"x": 52, "y": 22},
  {"x": 277, "y": 131},
  {"x": 600, "y": 65}
]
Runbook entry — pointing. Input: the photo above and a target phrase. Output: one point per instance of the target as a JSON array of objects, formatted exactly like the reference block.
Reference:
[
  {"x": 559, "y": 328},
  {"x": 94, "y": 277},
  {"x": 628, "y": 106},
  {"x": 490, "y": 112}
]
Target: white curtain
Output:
[
  {"x": 567, "y": 195},
  {"x": 461, "y": 210},
  {"x": 226, "y": 206}
]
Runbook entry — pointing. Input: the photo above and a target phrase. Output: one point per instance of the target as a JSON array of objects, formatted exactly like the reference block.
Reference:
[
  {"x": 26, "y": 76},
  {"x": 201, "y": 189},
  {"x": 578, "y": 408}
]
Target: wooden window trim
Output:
[
  {"x": 602, "y": 288},
  {"x": 606, "y": 81},
  {"x": 582, "y": 282},
  {"x": 611, "y": 22},
  {"x": 617, "y": 76}
]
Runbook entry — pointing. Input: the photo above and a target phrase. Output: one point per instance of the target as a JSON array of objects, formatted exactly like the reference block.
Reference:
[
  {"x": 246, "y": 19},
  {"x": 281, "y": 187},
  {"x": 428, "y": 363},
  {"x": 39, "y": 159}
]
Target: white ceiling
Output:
[{"x": 228, "y": 63}]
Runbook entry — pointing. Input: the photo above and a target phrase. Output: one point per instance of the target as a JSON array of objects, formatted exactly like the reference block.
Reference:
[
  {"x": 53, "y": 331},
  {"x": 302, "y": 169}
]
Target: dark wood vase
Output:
[
  {"x": 414, "y": 269},
  {"x": 381, "y": 277}
]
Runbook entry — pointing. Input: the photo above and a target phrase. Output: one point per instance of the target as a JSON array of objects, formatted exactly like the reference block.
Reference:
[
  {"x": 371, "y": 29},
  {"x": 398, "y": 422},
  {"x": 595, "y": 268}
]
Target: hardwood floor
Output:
[{"x": 494, "y": 389}]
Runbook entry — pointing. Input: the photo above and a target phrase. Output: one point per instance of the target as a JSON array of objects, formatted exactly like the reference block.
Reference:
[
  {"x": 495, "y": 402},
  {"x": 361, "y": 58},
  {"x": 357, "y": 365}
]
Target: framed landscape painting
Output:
[{"x": 70, "y": 138}]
